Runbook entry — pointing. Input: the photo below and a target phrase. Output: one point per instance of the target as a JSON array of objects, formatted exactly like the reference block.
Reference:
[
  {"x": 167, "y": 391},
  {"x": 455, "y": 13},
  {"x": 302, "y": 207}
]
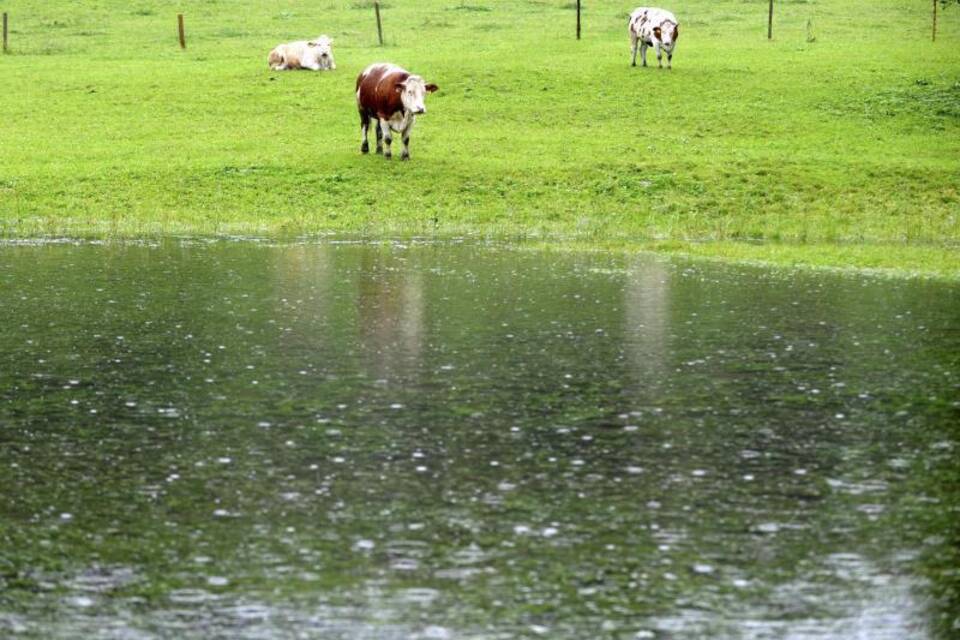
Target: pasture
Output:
[{"x": 836, "y": 143}]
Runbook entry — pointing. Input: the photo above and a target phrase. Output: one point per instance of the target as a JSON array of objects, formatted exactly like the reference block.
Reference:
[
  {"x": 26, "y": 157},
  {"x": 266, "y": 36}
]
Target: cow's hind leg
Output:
[
  {"x": 364, "y": 127},
  {"x": 634, "y": 41},
  {"x": 387, "y": 138},
  {"x": 379, "y": 138}
]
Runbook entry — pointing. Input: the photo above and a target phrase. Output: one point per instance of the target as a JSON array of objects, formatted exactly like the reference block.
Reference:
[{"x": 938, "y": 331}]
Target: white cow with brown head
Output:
[
  {"x": 652, "y": 27},
  {"x": 316, "y": 55}
]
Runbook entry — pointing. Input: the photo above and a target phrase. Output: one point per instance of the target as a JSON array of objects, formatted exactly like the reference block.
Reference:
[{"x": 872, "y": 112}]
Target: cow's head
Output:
[
  {"x": 412, "y": 92},
  {"x": 323, "y": 46},
  {"x": 667, "y": 33}
]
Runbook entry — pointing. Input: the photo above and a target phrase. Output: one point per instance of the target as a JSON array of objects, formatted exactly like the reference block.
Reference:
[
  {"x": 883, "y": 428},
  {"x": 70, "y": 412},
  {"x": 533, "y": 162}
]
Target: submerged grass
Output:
[{"x": 842, "y": 151}]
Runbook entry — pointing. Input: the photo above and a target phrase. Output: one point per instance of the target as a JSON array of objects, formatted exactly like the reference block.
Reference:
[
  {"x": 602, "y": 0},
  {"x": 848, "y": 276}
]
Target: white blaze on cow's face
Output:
[
  {"x": 667, "y": 30},
  {"x": 413, "y": 92}
]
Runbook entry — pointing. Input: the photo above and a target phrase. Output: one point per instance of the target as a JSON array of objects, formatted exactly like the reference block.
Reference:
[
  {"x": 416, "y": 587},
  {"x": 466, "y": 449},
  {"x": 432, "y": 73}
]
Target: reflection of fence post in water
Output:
[
  {"x": 183, "y": 39},
  {"x": 376, "y": 10},
  {"x": 4, "y": 31}
]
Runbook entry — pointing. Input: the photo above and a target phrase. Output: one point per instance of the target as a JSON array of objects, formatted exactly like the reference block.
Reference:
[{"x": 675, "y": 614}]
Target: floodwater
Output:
[{"x": 452, "y": 441}]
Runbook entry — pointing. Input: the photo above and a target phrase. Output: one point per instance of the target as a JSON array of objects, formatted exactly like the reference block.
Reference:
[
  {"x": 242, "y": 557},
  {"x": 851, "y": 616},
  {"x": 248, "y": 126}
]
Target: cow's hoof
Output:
[
  {"x": 404, "y": 156},
  {"x": 365, "y": 148},
  {"x": 388, "y": 155},
  {"x": 380, "y": 151}
]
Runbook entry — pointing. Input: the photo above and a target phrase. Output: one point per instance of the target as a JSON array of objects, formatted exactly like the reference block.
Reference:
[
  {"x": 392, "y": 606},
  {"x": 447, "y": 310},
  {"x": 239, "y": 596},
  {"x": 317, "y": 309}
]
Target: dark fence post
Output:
[
  {"x": 183, "y": 39},
  {"x": 770, "y": 22},
  {"x": 4, "y": 31},
  {"x": 376, "y": 10},
  {"x": 934, "y": 21},
  {"x": 578, "y": 19}
]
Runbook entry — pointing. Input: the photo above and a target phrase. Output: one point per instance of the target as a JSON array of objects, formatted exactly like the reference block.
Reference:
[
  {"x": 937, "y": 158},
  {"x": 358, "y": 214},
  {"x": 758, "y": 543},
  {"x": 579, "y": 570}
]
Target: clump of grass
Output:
[{"x": 463, "y": 6}]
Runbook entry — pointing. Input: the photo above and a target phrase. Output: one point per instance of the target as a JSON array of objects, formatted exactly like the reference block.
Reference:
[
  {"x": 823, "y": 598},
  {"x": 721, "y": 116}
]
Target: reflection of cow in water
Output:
[
  {"x": 384, "y": 306},
  {"x": 647, "y": 307},
  {"x": 390, "y": 310}
]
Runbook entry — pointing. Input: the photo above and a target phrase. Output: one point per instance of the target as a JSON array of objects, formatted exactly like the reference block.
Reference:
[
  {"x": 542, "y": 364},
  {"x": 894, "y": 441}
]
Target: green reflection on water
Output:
[{"x": 342, "y": 440}]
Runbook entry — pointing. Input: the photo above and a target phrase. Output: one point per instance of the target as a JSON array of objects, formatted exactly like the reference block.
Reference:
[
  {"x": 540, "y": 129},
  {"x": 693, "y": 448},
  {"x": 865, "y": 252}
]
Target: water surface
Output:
[{"x": 352, "y": 441}]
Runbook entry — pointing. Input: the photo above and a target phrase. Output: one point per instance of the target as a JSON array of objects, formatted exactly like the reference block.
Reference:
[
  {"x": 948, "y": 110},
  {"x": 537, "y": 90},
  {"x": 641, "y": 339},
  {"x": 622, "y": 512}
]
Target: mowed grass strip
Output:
[{"x": 843, "y": 131}]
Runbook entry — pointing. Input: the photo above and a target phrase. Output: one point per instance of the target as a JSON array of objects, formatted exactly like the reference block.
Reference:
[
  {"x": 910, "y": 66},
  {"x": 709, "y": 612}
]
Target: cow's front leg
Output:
[
  {"x": 669, "y": 60},
  {"x": 659, "y": 51},
  {"x": 387, "y": 138},
  {"x": 643, "y": 53},
  {"x": 405, "y": 155},
  {"x": 364, "y": 127}
]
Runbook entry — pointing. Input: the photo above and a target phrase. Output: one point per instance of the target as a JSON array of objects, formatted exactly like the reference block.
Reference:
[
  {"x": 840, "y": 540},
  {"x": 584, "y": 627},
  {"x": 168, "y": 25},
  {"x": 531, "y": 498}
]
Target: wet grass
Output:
[{"x": 843, "y": 151}]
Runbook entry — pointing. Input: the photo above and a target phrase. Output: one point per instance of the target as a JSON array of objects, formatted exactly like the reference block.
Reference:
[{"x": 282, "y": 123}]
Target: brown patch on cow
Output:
[
  {"x": 378, "y": 93},
  {"x": 676, "y": 32}
]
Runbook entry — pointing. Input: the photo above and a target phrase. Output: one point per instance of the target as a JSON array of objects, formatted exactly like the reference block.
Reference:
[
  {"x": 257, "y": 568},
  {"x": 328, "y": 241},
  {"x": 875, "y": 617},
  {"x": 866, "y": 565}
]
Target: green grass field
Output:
[{"x": 838, "y": 143}]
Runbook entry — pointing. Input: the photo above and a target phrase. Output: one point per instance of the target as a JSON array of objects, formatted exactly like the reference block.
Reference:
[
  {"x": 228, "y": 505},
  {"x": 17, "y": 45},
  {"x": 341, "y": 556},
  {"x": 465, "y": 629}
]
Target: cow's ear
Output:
[
  {"x": 676, "y": 32},
  {"x": 311, "y": 44},
  {"x": 431, "y": 88},
  {"x": 656, "y": 33}
]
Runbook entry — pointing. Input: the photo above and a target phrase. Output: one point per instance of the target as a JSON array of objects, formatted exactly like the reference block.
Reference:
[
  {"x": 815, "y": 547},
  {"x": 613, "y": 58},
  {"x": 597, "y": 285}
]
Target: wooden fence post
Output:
[
  {"x": 4, "y": 31},
  {"x": 934, "y": 20},
  {"x": 770, "y": 22},
  {"x": 376, "y": 10},
  {"x": 578, "y": 19},
  {"x": 183, "y": 39}
]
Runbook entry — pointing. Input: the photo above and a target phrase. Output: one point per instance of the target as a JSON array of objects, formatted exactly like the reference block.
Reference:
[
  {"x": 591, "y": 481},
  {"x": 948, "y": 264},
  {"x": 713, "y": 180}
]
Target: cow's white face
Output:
[
  {"x": 413, "y": 92},
  {"x": 322, "y": 47}
]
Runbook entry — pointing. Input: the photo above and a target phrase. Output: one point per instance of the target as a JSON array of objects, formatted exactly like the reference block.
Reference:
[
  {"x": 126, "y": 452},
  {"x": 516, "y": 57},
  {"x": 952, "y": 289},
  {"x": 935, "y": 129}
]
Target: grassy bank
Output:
[{"x": 836, "y": 143}]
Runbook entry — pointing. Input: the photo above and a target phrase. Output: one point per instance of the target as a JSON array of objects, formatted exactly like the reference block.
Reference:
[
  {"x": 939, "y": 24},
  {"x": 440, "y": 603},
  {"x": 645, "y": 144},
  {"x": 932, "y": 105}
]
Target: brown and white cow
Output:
[
  {"x": 316, "y": 55},
  {"x": 652, "y": 27},
  {"x": 393, "y": 97}
]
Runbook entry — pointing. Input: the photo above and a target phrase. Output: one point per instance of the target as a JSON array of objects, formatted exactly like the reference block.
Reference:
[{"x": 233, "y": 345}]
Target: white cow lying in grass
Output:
[
  {"x": 657, "y": 28},
  {"x": 315, "y": 55}
]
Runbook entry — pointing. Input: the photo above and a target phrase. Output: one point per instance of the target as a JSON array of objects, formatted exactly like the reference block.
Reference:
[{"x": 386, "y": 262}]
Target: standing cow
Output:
[
  {"x": 657, "y": 28},
  {"x": 394, "y": 97},
  {"x": 315, "y": 55}
]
